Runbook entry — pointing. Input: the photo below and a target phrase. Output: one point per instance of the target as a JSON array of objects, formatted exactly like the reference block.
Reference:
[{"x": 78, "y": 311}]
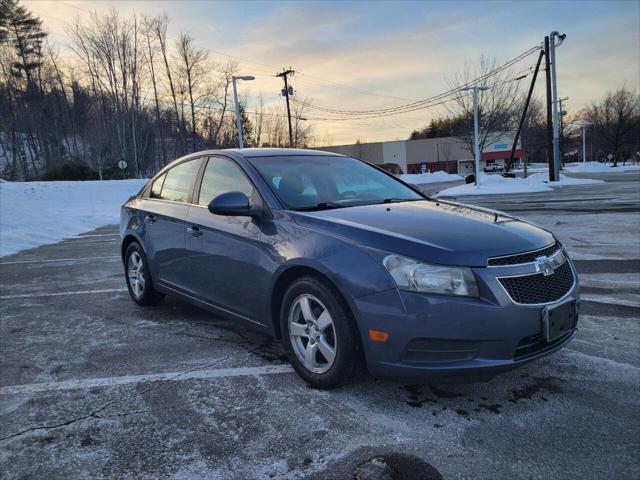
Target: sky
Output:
[{"x": 371, "y": 55}]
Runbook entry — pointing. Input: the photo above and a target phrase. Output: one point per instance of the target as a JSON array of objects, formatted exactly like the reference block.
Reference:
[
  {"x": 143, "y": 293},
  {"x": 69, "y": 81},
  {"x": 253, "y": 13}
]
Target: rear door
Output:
[
  {"x": 165, "y": 211},
  {"x": 225, "y": 252}
]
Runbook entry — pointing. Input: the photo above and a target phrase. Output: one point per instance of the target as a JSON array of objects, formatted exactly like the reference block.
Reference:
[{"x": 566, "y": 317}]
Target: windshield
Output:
[{"x": 316, "y": 183}]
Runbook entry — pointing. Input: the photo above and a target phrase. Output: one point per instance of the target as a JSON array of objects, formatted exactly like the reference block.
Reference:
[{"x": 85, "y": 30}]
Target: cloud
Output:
[{"x": 347, "y": 52}]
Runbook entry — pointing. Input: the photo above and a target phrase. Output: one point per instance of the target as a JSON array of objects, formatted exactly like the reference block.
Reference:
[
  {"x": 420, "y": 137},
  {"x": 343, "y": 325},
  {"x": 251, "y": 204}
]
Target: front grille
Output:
[
  {"x": 526, "y": 257},
  {"x": 533, "y": 289}
]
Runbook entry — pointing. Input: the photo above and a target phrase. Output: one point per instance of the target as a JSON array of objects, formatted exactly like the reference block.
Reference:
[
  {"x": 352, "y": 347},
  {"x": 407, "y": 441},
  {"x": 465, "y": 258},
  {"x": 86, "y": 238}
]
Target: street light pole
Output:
[
  {"x": 554, "y": 92},
  {"x": 237, "y": 105},
  {"x": 476, "y": 130}
]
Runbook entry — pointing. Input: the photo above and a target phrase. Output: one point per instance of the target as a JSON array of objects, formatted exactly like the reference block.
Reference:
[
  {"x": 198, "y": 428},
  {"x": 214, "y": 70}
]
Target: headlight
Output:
[
  {"x": 410, "y": 274},
  {"x": 558, "y": 259}
]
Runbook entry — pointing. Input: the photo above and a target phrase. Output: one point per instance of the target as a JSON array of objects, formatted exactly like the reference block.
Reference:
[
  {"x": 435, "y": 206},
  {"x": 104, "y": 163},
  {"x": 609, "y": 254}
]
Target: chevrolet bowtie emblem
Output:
[{"x": 545, "y": 265}]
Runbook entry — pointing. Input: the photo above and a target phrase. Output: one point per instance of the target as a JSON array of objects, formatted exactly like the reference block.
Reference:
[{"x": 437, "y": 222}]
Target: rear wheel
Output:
[
  {"x": 138, "y": 277},
  {"x": 318, "y": 333}
]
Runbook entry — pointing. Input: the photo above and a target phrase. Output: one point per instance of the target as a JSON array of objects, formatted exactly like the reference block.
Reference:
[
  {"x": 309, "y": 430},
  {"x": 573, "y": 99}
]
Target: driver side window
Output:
[{"x": 223, "y": 175}]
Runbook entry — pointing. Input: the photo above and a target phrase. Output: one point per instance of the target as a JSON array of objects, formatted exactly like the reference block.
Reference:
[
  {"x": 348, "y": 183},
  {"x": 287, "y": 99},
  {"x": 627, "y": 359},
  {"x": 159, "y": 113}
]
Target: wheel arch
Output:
[
  {"x": 128, "y": 239},
  {"x": 289, "y": 275}
]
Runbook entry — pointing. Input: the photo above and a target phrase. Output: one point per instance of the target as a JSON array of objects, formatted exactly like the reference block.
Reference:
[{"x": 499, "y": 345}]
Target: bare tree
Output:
[
  {"x": 128, "y": 93},
  {"x": 193, "y": 72},
  {"x": 159, "y": 26},
  {"x": 222, "y": 99},
  {"x": 497, "y": 105},
  {"x": 302, "y": 130},
  {"x": 259, "y": 120},
  {"x": 110, "y": 48},
  {"x": 151, "y": 42},
  {"x": 616, "y": 123}
]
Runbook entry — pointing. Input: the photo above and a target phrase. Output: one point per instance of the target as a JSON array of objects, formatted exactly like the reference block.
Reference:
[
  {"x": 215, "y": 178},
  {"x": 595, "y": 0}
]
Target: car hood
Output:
[{"x": 438, "y": 232}]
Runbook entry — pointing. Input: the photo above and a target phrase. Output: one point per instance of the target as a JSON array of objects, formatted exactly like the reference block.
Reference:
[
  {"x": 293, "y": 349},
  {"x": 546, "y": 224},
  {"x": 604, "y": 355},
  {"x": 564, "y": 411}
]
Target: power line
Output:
[
  {"x": 319, "y": 80},
  {"x": 348, "y": 87},
  {"x": 348, "y": 116},
  {"x": 410, "y": 106}
]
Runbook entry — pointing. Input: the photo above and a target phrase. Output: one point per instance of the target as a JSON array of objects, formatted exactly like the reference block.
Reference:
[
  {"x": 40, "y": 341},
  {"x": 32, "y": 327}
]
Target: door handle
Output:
[
  {"x": 150, "y": 218},
  {"x": 194, "y": 231}
]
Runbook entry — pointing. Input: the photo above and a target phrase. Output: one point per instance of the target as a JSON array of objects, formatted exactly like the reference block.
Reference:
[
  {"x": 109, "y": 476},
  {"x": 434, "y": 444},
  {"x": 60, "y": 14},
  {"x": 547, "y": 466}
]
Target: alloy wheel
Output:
[
  {"x": 312, "y": 333},
  {"x": 135, "y": 272}
]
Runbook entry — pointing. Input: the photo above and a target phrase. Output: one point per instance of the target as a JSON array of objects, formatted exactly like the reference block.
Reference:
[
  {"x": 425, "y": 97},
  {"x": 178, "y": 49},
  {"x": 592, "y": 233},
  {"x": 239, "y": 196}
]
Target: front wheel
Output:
[
  {"x": 318, "y": 333},
  {"x": 138, "y": 277}
]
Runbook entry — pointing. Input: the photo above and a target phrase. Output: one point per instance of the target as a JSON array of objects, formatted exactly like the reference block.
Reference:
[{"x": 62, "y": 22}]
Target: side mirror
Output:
[{"x": 234, "y": 204}]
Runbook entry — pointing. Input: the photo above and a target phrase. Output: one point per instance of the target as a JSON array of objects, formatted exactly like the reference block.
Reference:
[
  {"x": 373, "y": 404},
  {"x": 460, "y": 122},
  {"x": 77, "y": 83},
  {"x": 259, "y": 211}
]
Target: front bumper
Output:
[{"x": 451, "y": 337}]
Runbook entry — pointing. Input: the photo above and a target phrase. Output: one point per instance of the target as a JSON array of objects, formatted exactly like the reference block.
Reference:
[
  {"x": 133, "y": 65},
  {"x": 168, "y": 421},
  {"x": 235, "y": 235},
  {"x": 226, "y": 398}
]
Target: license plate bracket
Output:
[{"x": 559, "y": 320}]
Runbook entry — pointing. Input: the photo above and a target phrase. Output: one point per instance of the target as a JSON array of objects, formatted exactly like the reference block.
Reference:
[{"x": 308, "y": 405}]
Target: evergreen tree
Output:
[{"x": 24, "y": 32}]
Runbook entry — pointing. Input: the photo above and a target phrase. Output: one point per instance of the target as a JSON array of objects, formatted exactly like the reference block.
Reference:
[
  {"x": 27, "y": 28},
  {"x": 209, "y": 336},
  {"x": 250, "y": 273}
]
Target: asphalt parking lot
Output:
[{"x": 92, "y": 386}]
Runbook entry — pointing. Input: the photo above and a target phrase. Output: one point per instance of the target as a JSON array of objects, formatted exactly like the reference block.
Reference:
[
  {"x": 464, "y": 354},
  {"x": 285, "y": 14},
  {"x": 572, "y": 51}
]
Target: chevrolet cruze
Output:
[{"x": 345, "y": 262}]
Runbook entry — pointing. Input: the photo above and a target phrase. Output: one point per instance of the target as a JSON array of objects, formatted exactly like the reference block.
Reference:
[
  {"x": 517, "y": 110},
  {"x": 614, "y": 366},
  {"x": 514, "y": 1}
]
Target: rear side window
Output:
[
  {"x": 221, "y": 176},
  {"x": 176, "y": 183}
]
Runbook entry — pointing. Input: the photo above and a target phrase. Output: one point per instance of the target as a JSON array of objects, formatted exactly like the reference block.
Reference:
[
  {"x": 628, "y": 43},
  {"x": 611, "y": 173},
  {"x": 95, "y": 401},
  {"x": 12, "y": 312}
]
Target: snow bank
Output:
[
  {"x": 597, "y": 167},
  {"x": 497, "y": 184},
  {"x": 420, "y": 178},
  {"x": 38, "y": 213},
  {"x": 564, "y": 180}
]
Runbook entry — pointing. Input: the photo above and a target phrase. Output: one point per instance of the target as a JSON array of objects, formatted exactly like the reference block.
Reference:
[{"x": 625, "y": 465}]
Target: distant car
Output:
[
  {"x": 393, "y": 168},
  {"x": 343, "y": 262},
  {"x": 494, "y": 167}
]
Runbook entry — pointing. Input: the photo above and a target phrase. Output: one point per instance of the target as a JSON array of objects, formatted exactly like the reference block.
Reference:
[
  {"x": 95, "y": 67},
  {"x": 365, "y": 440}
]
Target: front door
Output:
[{"x": 225, "y": 251}]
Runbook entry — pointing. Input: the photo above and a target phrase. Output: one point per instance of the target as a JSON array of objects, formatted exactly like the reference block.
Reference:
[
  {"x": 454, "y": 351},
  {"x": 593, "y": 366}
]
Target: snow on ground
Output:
[
  {"x": 421, "y": 178},
  {"x": 597, "y": 167},
  {"x": 38, "y": 213},
  {"x": 497, "y": 184}
]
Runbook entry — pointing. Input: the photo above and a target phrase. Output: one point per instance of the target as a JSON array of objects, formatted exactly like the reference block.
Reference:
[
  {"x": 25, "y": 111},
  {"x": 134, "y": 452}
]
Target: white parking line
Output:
[
  {"x": 84, "y": 259},
  {"x": 73, "y": 241},
  {"x": 92, "y": 235},
  {"x": 60, "y": 294},
  {"x": 154, "y": 377}
]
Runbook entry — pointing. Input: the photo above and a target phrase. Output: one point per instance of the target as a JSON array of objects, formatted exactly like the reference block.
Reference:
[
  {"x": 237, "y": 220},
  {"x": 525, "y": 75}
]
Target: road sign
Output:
[
  {"x": 423, "y": 167},
  {"x": 122, "y": 164}
]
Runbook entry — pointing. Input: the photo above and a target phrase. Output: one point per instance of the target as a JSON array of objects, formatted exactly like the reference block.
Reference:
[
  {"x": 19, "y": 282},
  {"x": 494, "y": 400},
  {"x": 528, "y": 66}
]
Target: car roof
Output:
[
  {"x": 282, "y": 152},
  {"x": 271, "y": 152},
  {"x": 252, "y": 153}
]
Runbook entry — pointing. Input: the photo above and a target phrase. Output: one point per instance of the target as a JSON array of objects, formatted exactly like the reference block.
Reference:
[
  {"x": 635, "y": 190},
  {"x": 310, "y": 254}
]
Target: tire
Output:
[
  {"x": 309, "y": 348},
  {"x": 139, "y": 284}
]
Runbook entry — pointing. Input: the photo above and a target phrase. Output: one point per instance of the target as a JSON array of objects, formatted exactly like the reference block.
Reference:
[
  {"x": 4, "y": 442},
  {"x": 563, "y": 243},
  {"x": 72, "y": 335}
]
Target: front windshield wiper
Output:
[
  {"x": 321, "y": 206},
  {"x": 397, "y": 200}
]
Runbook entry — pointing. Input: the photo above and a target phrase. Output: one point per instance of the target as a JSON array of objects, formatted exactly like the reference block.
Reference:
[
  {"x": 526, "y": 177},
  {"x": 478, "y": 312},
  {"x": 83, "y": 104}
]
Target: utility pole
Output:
[
  {"x": 554, "y": 91},
  {"x": 476, "y": 130},
  {"x": 552, "y": 176},
  {"x": 584, "y": 141},
  {"x": 284, "y": 74},
  {"x": 562, "y": 113},
  {"x": 524, "y": 115}
]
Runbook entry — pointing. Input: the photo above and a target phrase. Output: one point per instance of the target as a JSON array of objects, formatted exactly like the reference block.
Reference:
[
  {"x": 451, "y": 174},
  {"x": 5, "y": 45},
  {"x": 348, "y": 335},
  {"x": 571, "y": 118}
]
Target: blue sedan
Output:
[{"x": 347, "y": 264}]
